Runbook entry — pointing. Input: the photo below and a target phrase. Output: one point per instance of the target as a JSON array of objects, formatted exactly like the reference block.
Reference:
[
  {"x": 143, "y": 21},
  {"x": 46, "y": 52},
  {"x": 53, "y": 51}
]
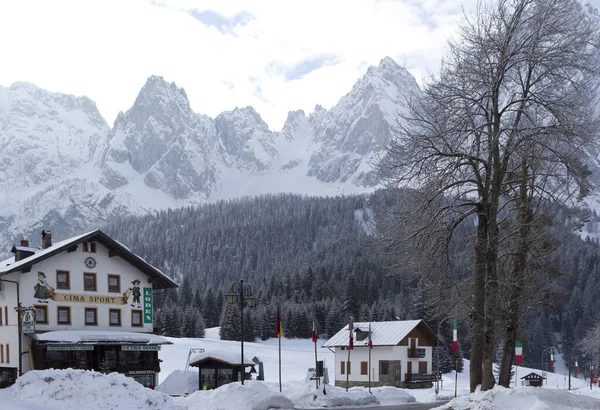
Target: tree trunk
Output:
[
  {"x": 508, "y": 348},
  {"x": 491, "y": 305},
  {"x": 517, "y": 282},
  {"x": 477, "y": 311}
]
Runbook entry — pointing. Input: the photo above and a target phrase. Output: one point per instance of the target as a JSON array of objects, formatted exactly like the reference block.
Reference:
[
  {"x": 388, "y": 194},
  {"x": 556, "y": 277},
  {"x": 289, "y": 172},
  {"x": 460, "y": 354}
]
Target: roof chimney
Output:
[
  {"x": 25, "y": 243},
  {"x": 46, "y": 239}
]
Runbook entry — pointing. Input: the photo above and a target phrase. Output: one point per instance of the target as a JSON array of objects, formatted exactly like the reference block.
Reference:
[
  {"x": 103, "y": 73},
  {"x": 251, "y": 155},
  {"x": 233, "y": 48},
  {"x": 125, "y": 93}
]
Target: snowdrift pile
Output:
[
  {"x": 523, "y": 398},
  {"x": 84, "y": 389}
]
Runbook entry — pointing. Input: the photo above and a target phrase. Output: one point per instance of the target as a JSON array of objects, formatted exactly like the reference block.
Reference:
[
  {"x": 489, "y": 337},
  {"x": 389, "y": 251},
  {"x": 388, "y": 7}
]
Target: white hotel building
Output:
[{"x": 86, "y": 303}]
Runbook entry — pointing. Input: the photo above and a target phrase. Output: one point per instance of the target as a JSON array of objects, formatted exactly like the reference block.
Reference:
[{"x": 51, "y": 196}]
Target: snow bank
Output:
[
  {"x": 532, "y": 398},
  {"x": 180, "y": 383},
  {"x": 83, "y": 389},
  {"x": 305, "y": 395},
  {"x": 253, "y": 395},
  {"x": 389, "y": 396}
]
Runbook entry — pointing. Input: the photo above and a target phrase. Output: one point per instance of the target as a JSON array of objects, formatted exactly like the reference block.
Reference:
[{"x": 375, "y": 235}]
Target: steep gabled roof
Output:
[
  {"x": 382, "y": 333},
  {"x": 159, "y": 279},
  {"x": 225, "y": 356}
]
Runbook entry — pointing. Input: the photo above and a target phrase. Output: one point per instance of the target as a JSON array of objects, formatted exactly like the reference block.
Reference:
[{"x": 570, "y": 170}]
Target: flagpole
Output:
[
  {"x": 350, "y": 324},
  {"x": 279, "y": 331},
  {"x": 370, "y": 346},
  {"x": 314, "y": 337}
]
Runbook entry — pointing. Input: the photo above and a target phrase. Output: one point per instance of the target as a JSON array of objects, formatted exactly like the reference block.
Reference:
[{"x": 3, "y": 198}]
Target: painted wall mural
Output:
[{"x": 44, "y": 292}]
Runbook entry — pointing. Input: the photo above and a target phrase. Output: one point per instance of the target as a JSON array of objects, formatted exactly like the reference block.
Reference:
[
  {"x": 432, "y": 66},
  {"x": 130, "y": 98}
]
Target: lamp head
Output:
[{"x": 232, "y": 298}]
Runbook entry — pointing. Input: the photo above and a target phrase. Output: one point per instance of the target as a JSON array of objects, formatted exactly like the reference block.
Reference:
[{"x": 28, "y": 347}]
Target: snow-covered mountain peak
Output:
[
  {"x": 44, "y": 135},
  {"x": 296, "y": 125},
  {"x": 56, "y": 151},
  {"x": 246, "y": 138},
  {"x": 161, "y": 100},
  {"x": 355, "y": 131}
]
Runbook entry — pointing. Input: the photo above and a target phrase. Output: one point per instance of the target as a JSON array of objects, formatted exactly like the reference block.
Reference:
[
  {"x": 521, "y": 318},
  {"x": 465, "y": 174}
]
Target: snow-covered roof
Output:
[
  {"x": 161, "y": 280},
  {"x": 221, "y": 355},
  {"x": 382, "y": 333},
  {"x": 99, "y": 336},
  {"x": 24, "y": 248},
  {"x": 7, "y": 262},
  {"x": 39, "y": 254}
]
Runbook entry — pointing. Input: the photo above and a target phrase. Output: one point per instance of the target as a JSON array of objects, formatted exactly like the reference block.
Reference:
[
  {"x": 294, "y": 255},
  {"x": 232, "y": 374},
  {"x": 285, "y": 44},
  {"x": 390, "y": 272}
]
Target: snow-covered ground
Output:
[{"x": 78, "y": 389}]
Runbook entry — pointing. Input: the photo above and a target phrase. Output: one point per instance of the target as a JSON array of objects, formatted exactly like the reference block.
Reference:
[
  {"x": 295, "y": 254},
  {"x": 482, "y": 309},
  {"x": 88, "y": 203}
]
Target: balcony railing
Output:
[
  {"x": 417, "y": 377},
  {"x": 416, "y": 353}
]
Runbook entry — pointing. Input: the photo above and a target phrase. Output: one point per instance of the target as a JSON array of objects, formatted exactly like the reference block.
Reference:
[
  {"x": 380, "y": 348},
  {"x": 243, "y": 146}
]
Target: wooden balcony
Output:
[{"x": 416, "y": 353}]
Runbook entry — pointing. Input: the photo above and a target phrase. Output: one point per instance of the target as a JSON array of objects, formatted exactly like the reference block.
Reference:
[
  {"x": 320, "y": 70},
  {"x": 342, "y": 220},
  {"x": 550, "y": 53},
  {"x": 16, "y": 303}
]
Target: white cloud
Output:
[{"x": 274, "y": 55}]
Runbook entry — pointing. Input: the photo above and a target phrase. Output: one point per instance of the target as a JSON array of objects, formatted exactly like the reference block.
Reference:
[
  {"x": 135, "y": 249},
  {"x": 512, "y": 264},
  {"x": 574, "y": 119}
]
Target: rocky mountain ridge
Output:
[{"x": 63, "y": 168}]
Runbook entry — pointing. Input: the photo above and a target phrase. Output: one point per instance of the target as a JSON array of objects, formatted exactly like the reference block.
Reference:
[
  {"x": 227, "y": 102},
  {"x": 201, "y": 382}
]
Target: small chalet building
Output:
[
  {"x": 401, "y": 355},
  {"x": 86, "y": 303},
  {"x": 532, "y": 379},
  {"x": 218, "y": 367}
]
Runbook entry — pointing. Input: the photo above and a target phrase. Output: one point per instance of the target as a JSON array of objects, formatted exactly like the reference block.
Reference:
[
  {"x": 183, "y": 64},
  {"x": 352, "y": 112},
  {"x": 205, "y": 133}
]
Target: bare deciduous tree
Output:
[{"x": 507, "y": 124}]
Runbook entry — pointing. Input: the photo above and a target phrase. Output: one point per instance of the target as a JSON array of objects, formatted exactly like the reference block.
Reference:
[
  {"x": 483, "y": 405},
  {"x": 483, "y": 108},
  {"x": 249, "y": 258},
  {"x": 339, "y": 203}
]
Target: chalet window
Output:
[
  {"x": 91, "y": 316},
  {"x": 136, "y": 318},
  {"x": 361, "y": 335},
  {"x": 93, "y": 247},
  {"x": 384, "y": 367},
  {"x": 62, "y": 279},
  {"x": 89, "y": 281},
  {"x": 342, "y": 367},
  {"x": 7, "y": 353},
  {"x": 0, "y": 314},
  {"x": 84, "y": 247},
  {"x": 1, "y": 353},
  {"x": 5, "y": 315},
  {"x": 114, "y": 283},
  {"x": 64, "y": 315},
  {"x": 348, "y": 367},
  {"x": 364, "y": 368},
  {"x": 114, "y": 317},
  {"x": 41, "y": 314}
]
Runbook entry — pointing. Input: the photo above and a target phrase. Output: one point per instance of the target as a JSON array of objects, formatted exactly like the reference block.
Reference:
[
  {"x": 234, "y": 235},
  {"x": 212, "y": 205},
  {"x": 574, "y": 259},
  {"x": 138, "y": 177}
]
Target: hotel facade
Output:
[{"x": 82, "y": 303}]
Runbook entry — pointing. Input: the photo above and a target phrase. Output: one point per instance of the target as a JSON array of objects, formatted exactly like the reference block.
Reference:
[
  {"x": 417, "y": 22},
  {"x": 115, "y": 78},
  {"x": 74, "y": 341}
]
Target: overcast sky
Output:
[{"x": 275, "y": 55}]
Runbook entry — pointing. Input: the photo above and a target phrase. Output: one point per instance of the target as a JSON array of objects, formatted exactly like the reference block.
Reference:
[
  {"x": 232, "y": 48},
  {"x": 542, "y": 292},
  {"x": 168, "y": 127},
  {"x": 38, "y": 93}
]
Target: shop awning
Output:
[{"x": 91, "y": 337}]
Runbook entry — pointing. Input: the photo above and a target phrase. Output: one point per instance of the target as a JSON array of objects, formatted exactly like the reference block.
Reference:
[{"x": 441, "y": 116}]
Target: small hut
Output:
[
  {"x": 532, "y": 379},
  {"x": 218, "y": 367}
]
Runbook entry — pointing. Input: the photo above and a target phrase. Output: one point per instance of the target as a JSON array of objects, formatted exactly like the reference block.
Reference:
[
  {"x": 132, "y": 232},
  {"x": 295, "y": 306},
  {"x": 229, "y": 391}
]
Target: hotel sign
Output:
[
  {"x": 74, "y": 298},
  {"x": 142, "y": 348},
  {"x": 28, "y": 322},
  {"x": 70, "y": 347},
  {"x": 147, "y": 305}
]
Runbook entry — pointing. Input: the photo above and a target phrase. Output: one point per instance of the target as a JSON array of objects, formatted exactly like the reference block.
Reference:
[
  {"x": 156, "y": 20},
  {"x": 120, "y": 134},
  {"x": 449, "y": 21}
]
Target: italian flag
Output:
[
  {"x": 454, "y": 336},
  {"x": 576, "y": 366},
  {"x": 314, "y": 333},
  {"x": 518, "y": 352}
]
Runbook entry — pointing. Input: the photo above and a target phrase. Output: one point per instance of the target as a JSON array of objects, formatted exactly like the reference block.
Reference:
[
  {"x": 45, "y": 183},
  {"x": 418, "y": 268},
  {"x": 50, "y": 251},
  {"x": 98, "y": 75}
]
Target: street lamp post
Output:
[
  {"x": 244, "y": 293},
  {"x": 543, "y": 363},
  {"x": 437, "y": 354}
]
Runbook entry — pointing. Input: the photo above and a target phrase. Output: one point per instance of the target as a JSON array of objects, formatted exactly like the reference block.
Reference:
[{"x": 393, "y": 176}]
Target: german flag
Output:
[{"x": 279, "y": 326}]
